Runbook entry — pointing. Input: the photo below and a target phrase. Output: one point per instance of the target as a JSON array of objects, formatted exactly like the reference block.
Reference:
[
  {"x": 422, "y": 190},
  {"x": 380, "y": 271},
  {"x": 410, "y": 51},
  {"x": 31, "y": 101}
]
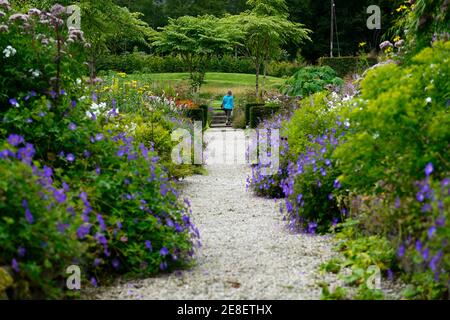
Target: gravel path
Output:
[{"x": 247, "y": 252}]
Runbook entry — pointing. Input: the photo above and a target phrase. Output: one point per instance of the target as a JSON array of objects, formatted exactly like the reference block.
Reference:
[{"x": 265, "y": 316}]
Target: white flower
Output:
[
  {"x": 9, "y": 52},
  {"x": 429, "y": 100},
  {"x": 78, "y": 81},
  {"x": 35, "y": 73}
]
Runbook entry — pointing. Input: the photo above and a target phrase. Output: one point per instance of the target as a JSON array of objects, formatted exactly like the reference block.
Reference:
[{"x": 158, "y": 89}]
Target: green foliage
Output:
[
  {"x": 259, "y": 113},
  {"x": 399, "y": 128},
  {"x": 247, "y": 109},
  {"x": 263, "y": 35},
  {"x": 399, "y": 124},
  {"x": 30, "y": 64},
  {"x": 422, "y": 22},
  {"x": 310, "y": 80},
  {"x": 362, "y": 259},
  {"x": 313, "y": 131},
  {"x": 347, "y": 65},
  {"x": 96, "y": 193},
  {"x": 283, "y": 68},
  {"x": 38, "y": 253},
  {"x": 196, "y": 40}
]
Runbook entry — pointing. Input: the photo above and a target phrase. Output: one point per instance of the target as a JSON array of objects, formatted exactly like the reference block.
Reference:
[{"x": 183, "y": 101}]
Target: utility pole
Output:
[{"x": 332, "y": 29}]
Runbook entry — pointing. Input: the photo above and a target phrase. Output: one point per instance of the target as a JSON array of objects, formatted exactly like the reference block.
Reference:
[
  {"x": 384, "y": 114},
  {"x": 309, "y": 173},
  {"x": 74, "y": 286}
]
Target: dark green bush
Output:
[
  {"x": 37, "y": 233},
  {"x": 283, "y": 68},
  {"x": 138, "y": 62},
  {"x": 248, "y": 107},
  {"x": 345, "y": 65},
  {"x": 309, "y": 80},
  {"x": 206, "y": 115},
  {"x": 397, "y": 153},
  {"x": 103, "y": 201},
  {"x": 259, "y": 113},
  {"x": 197, "y": 114}
]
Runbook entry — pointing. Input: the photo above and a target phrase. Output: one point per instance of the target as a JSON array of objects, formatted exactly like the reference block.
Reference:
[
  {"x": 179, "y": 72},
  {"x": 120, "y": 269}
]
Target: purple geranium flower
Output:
[
  {"x": 13, "y": 102},
  {"x": 15, "y": 265},
  {"x": 101, "y": 222},
  {"x": 83, "y": 231},
  {"x": 431, "y": 232},
  {"x": 70, "y": 157},
  {"x": 72, "y": 126},
  {"x": 15, "y": 140},
  {"x": 429, "y": 169},
  {"x": 163, "y": 266},
  {"x": 148, "y": 245},
  {"x": 115, "y": 263},
  {"x": 425, "y": 254},
  {"x": 59, "y": 195},
  {"x": 337, "y": 184},
  {"x": 164, "y": 251},
  {"x": 21, "y": 251},
  {"x": 401, "y": 251}
]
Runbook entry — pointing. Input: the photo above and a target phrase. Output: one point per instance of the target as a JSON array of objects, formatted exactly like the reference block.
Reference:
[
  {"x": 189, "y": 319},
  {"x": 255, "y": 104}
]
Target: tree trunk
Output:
[
  {"x": 265, "y": 74},
  {"x": 258, "y": 65}
]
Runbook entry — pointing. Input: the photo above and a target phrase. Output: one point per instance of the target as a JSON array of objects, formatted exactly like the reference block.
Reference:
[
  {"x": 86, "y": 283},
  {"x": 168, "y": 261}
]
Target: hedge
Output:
[
  {"x": 205, "y": 109},
  {"x": 345, "y": 65},
  {"x": 138, "y": 62},
  {"x": 197, "y": 114},
  {"x": 247, "y": 111},
  {"x": 259, "y": 113}
]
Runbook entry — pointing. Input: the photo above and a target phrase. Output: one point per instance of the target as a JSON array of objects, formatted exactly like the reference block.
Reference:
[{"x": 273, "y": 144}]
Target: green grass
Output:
[{"x": 216, "y": 85}]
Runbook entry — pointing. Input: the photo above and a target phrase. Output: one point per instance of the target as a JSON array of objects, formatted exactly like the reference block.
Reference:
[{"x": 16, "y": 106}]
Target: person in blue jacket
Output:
[{"x": 228, "y": 105}]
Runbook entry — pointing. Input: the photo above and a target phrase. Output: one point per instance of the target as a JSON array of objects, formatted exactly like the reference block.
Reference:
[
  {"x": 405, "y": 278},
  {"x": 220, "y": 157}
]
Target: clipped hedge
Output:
[
  {"x": 345, "y": 65},
  {"x": 247, "y": 110},
  {"x": 197, "y": 114},
  {"x": 205, "y": 109},
  {"x": 139, "y": 62},
  {"x": 259, "y": 113}
]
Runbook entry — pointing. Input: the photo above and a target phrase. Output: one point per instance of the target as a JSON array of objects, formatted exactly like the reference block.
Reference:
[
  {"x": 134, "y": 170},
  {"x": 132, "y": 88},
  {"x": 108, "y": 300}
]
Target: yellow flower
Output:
[
  {"x": 401, "y": 8},
  {"x": 121, "y": 74},
  {"x": 397, "y": 38},
  {"x": 115, "y": 85},
  {"x": 362, "y": 44}
]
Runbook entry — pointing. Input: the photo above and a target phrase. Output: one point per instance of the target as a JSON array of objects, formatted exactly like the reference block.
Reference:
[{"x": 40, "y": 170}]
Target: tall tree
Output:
[
  {"x": 197, "y": 40},
  {"x": 267, "y": 28}
]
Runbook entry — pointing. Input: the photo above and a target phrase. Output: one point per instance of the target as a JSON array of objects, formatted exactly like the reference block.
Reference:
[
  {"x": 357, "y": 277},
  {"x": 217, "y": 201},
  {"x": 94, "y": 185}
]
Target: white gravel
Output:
[{"x": 247, "y": 252}]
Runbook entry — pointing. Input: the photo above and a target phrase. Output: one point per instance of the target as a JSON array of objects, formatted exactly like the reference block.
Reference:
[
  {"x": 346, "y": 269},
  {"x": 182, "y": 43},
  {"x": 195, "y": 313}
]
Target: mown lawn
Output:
[{"x": 217, "y": 84}]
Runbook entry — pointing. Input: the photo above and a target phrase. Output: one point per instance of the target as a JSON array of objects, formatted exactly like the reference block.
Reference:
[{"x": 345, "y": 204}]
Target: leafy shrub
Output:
[
  {"x": 117, "y": 211},
  {"x": 259, "y": 113},
  {"x": 309, "y": 80},
  {"x": 247, "y": 109},
  {"x": 422, "y": 22},
  {"x": 313, "y": 132},
  {"x": 283, "y": 68},
  {"x": 362, "y": 259},
  {"x": 37, "y": 233},
  {"x": 239, "y": 119},
  {"x": 31, "y": 68},
  {"x": 399, "y": 124},
  {"x": 346, "y": 65},
  {"x": 398, "y": 132}
]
